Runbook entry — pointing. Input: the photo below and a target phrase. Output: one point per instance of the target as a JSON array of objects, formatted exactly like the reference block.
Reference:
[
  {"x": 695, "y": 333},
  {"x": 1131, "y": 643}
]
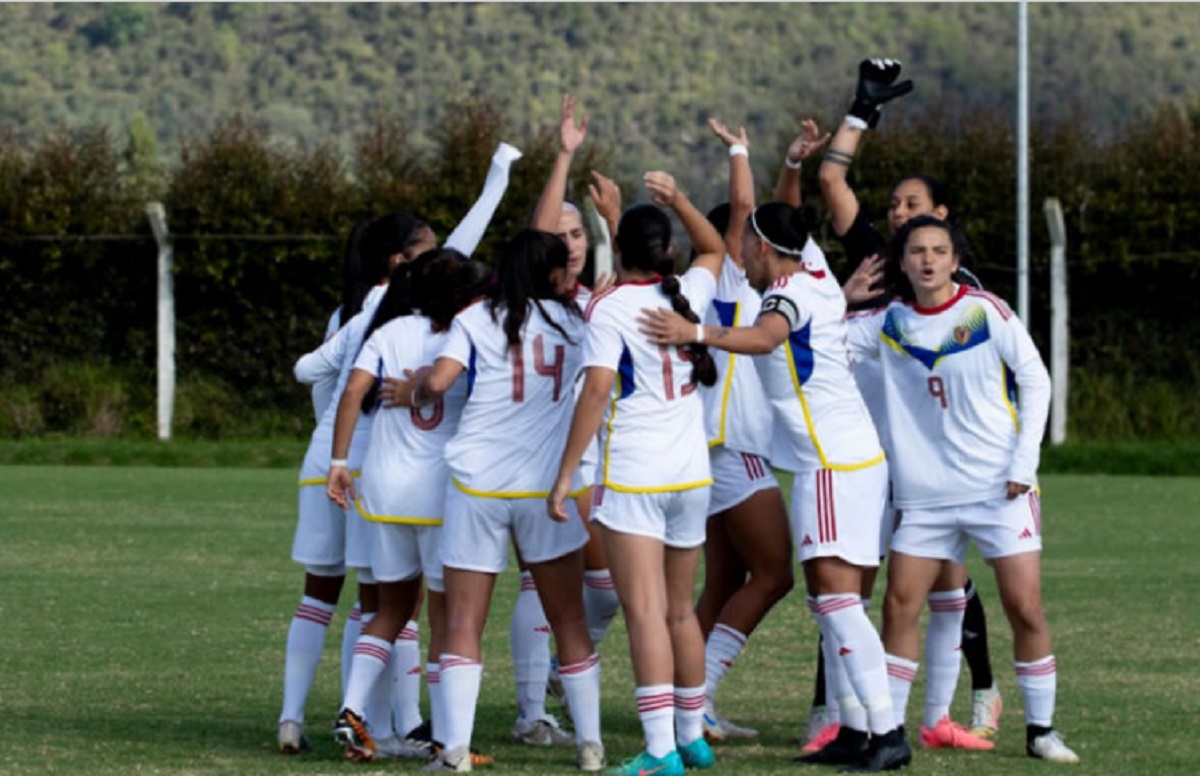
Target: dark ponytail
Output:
[
  {"x": 523, "y": 280},
  {"x": 704, "y": 369},
  {"x": 355, "y": 282},
  {"x": 397, "y": 302}
]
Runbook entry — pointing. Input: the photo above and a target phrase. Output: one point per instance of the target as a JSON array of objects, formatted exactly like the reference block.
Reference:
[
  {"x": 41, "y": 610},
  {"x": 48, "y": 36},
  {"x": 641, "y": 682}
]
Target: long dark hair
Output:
[
  {"x": 369, "y": 247},
  {"x": 523, "y": 280},
  {"x": 895, "y": 281},
  {"x": 644, "y": 240},
  {"x": 438, "y": 284}
]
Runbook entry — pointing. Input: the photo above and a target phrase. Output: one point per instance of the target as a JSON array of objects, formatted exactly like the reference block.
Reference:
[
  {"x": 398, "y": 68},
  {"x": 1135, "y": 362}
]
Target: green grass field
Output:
[{"x": 145, "y": 611}]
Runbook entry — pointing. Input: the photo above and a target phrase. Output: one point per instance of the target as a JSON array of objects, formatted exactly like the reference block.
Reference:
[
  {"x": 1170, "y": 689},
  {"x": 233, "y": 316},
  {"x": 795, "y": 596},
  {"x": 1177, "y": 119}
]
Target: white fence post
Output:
[
  {"x": 166, "y": 319},
  {"x": 1060, "y": 359}
]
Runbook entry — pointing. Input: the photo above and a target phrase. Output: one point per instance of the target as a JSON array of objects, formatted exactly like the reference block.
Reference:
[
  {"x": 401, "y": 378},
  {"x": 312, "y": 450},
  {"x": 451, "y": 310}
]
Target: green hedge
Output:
[{"x": 259, "y": 227}]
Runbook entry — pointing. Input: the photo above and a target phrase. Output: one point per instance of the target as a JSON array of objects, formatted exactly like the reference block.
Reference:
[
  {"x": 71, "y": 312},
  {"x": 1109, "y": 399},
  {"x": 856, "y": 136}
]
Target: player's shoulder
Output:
[
  {"x": 601, "y": 303},
  {"x": 992, "y": 302}
]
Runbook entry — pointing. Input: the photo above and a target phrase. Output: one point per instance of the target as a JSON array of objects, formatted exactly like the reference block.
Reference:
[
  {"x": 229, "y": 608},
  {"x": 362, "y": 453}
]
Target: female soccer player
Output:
[
  {"x": 520, "y": 349},
  {"x": 534, "y": 670},
  {"x": 652, "y": 486},
  {"x": 966, "y": 458},
  {"x": 956, "y": 615},
  {"x": 321, "y": 530},
  {"x": 404, "y": 475},
  {"x": 748, "y": 546},
  {"x": 824, "y": 436},
  {"x": 328, "y": 539}
]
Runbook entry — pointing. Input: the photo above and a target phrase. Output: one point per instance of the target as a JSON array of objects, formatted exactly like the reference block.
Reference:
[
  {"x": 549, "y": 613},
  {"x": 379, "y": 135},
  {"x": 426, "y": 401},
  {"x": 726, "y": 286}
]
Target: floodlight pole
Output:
[
  {"x": 1023, "y": 163},
  {"x": 166, "y": 319},
  {"x": 1060, "y": 358}
]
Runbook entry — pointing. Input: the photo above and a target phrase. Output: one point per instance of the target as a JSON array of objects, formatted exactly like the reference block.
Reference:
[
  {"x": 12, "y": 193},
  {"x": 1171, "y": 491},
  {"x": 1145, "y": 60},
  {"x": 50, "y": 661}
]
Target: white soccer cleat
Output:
[
  {"x": 986, "y": 707},
  {"x": 590, "y": 757},
  {"x": 456, "y": 761},
  {"x": 292, "y": 739},
  {"x": 541, "y": 732},
  {"x": 717, "y": 728},
  {"x": 1050, "y": 746}
]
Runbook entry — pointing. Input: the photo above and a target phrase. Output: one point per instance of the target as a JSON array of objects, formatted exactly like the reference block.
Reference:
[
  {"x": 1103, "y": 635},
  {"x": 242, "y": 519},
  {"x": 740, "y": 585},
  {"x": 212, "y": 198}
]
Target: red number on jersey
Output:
[
  {"x": 554, "y": 369},
  {"x": 438, "y": 411},
  {"x": 937, "y": 389},
  {"x": 669, "y": 372}
]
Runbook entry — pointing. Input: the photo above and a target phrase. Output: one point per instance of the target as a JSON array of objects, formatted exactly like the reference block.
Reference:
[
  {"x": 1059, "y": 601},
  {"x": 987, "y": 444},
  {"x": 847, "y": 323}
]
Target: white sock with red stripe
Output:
[
  {"x": 305, "y": 641},
  {"x": 378, "y": 711},
  {"x": 529, "y": 637},
  {"x": 656, "y": 710},
  {"x": 943, "y": 652},
  {"x": 901, "y": 674},
  {"x": 600, "y": 603},
  {"x": 1038, "y": 681},
  {"x": 720, "y": 652},
  {"x": 349, "y": 639},
  {"x": 689, "y": 714},
  {"x": 371, "y": 658},
  {"x": 460, "y": 680},
  {"x": 839, "y": 693},
  {"x": 581, "y": 683},
  {"x": 861, "y": 653},
  {"x": 433, "y": 680},
  {"x": 406, "y": 670}
]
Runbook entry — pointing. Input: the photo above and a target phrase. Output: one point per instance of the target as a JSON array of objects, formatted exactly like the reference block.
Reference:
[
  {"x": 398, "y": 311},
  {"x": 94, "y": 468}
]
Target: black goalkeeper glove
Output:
[{"x": 877, "y": 86}]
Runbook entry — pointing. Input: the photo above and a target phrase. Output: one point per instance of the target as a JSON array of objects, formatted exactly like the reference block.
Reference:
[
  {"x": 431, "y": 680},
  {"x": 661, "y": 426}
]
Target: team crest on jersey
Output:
[{"x": 962, "y": 335}]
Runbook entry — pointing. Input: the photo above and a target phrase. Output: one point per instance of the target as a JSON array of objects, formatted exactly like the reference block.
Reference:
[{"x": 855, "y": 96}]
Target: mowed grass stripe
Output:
[{"x": 145, "y": 613}]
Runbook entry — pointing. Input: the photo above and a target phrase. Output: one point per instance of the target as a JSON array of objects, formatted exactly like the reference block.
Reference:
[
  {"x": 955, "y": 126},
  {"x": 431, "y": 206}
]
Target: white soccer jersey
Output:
[
  {"x": 736, "y": 413},
  {"x": 323, "y": 374},
  {"x": 653, "y": 437},
  {"x": 950, "y": 374},
  {"x": 404, "y": 474},
  {"x": 868, "y": 376},
  {"x": 591, "y": 456},
  {"x": 822, "y": 422},
  {"x": 514, "y": 426}
]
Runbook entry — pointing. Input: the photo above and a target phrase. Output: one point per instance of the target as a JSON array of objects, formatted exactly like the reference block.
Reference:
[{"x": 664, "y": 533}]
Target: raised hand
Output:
[
  {"x": 808, "y": 142},
  {"x": 858, "y": 286},
  {"x": 721, "y": 131},
  {"x": 570, "y": 136},
  {"x": 876, "y": 87},
  {"x": 607, "y": 196},
  {"x": 662, "y": 188}
]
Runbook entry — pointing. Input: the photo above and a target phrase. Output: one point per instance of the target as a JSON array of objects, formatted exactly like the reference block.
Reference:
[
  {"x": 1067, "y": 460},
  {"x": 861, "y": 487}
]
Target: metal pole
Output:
[
  {"x": 1060, "y": 357},
  {"x": 1023, "y": 163},
  {"x": 166, "y": 319}
]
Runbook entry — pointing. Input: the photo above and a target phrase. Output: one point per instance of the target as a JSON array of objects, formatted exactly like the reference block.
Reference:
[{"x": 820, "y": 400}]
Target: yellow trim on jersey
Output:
[
  {"x": 1004, "y": 393},
  {"x": 510, "y": 494},
  {"x": 323, "y": 480},
  {"x": 657, "y": 488},
  {"x": 720, "y": 440},
  {"x": 612, "y": 414},
  {"x": 428, "y": 521},
  {"x": 812, "y": 432}
]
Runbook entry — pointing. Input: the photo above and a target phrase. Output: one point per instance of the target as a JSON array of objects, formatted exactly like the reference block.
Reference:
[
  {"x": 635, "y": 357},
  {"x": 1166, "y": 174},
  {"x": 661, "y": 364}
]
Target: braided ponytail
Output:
[{"x": 704, "y": 369}]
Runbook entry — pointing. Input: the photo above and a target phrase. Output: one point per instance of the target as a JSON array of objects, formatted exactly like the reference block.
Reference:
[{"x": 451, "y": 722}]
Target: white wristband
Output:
[
  {"x": 342, "y": 462},
  {"x": 790, "y": 165},
  {"x": 699, "y": 333},
  {"x": 856, "y": 122},
  {"x": 737, "y": 149}
]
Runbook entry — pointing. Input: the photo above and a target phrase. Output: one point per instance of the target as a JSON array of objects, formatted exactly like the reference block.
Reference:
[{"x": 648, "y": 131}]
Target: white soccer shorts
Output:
[
  {"x": 1000, "y": 528},
  {"x": 736, "y": 477},
  {"x": 676, "y": 518},
  {"x": 838, "y": 514},
  {"x": 476, "y": 531}
]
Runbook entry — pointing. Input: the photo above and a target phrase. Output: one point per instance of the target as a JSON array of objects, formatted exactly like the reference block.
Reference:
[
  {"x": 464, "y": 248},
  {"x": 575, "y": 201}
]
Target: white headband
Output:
[{"x": 778, "y": 248}]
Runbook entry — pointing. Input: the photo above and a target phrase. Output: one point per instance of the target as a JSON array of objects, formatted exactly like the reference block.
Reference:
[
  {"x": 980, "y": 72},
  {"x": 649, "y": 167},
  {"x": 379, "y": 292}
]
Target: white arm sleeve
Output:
[
  {"x": 466, "y": 236},
  {"x": 324, "y": 362},
  {"x": 862, "y": 334},
  {"x": 1033, "y": 400}
]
